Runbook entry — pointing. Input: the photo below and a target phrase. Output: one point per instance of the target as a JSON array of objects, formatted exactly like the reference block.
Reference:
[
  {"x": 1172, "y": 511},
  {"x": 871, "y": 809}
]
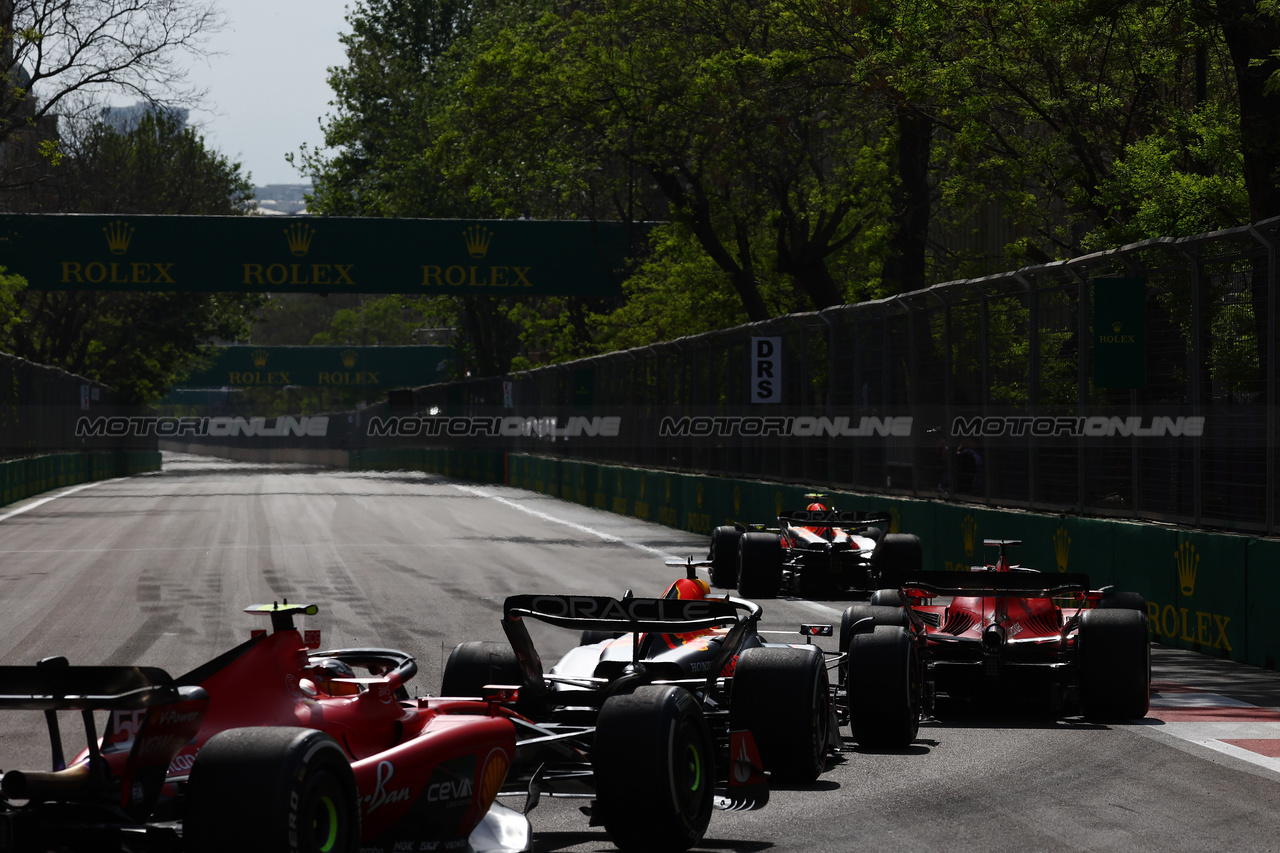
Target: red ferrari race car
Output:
[
  {"x": 817, "y": 551},
  {"x": 669, "y": 707},
  {"x": 1013, "y": 634},
  {"x": 266, "y": 748}
]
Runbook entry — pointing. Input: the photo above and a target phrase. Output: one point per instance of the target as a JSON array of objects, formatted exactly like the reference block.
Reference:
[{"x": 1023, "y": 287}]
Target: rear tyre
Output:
[
  {"x": 888, "y": 598},
  {"x": 851, "y": 622},
  {"x": 724, "y": 556},
  {"x": 654, "y": 767},
  {"x": 883, "y": 687},
  {"x": 473, "y": 665},
  {"x": 267, "y": 789},
  {"x": 782, "y": 697},
  {"x": 760, "y": 565},
  {"x": 1114, "y": 660},
  {"x": 1123, "y": 601},
  {"x": 896, "y": 553},
  {"x": 590, "y": 637}
]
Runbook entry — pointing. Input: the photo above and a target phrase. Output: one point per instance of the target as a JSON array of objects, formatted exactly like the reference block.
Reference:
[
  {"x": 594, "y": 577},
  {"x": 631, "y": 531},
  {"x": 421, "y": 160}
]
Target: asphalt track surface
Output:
[{"x": 156, "y": 570}]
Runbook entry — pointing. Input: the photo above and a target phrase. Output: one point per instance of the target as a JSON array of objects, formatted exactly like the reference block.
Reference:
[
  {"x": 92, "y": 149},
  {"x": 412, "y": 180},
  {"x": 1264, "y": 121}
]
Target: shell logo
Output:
[{"x": 493, "y": 774}]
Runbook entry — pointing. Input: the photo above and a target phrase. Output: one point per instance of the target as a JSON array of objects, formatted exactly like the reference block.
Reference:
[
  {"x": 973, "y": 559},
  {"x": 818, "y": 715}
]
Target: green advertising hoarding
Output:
[
  {"x": 250, "y": 366},
  {"x": 314, "y": 254},
  {"x": 1119, "y": 332}
]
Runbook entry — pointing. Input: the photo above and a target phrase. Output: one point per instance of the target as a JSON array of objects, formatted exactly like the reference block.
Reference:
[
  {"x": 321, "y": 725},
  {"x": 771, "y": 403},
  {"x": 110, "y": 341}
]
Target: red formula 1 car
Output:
[
  {"x": 1014, "y": 634},
  {"x": 266, "y": 748},
  {"x": 817, "y": 551}
]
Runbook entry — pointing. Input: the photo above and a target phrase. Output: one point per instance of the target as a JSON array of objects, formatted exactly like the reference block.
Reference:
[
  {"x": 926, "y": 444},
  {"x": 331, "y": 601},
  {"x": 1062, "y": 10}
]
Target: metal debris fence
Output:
[{"x": 967, "y": 361}]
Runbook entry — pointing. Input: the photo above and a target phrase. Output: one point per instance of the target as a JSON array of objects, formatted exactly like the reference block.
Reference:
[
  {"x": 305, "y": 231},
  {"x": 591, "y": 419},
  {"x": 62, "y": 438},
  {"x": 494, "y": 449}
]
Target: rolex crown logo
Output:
[
  {"x": 259, "y": 358},
  {"x": 1116, "y": 326},
  {"x": 737, "y": 500},
  {"x": 299, "y": 235},
  {"x": 698, "y": 490},
  {"x": 1061, "y": 548},
  {"x": 1188, "y": 562},
  {"x": 478, "y": 238},
  {"x": 118, "y": 236},
  {"x": 969, "y": 529},
  {"x": 895, "y": 519},
  {"x": 349, "y": 357}
]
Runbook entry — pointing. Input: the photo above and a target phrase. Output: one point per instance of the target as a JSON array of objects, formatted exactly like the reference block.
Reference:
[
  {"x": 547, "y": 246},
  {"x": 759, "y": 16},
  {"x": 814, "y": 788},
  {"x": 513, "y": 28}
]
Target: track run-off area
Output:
[{"x": 156, "y": 570}]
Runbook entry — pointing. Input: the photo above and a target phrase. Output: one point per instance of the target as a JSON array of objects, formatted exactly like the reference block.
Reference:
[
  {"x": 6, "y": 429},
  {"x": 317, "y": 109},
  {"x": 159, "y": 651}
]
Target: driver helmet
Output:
[
  {"x": 689, "y": 589},
  {"x": 824, "y": 532},
  {"x": 324, "y": 671}
]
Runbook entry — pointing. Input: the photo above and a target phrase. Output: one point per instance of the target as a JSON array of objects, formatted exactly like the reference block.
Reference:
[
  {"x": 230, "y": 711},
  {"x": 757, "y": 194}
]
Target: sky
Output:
[{"x": 266, "y": 85}]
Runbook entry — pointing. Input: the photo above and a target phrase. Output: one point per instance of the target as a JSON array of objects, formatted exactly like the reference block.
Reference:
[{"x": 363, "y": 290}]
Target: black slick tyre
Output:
[
  {"x": 654, "y": 767},
  {"x": 1113, "y": 659},
  {"x": 883, "y": 687},
  {"x": 1123, "y": 601},
  {"x": 855, "y": 619},
  {"x": 888, "y": 598},
  {"x": 760, "y": 565},
  {"x": 270, "y": 788},
  {"x": 897, "y": 553},
  {"x": 782, "y": 697},
  {"x": 473, "y": 665},
  {"x": 724, "y": 556}
]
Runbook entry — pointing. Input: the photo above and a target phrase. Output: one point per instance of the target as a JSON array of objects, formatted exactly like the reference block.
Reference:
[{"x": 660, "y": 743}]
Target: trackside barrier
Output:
[
  {"x": 22, "y": 478},
  {"x": 1208, "y": 592}
]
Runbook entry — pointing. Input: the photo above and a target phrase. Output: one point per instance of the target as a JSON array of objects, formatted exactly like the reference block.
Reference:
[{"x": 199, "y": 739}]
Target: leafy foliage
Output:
[{"x": 137, "y": 342}]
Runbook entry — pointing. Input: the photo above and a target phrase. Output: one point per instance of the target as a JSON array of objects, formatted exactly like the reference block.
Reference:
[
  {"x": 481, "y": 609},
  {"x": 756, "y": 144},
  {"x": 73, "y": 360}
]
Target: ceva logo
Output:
[{"x": 1199, "y": 627}]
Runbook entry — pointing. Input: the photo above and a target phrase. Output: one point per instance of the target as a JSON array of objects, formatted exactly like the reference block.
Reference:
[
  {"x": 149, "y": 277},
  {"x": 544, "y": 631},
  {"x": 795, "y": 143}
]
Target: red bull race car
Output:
[
  {"x": 268, "y": 747},
  {"x": 814, "y": 552},
  {"x": 1015, "y": 635},
  {"x": 669, "y": 708}
]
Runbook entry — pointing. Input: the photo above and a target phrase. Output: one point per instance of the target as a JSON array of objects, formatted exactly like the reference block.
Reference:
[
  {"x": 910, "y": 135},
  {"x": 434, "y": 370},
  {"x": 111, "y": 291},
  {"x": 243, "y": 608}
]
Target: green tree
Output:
[{"x": 137, "y": 342}]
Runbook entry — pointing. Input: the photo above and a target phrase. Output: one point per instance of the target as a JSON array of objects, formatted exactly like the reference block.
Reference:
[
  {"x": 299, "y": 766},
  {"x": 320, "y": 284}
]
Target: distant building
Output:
[
  {"x": 282, "y": 199},
  {"x": 125, "y": 119}
]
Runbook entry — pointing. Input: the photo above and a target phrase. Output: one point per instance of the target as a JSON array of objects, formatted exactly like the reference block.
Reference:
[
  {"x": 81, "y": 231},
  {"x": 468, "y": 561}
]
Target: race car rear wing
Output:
[
  {"x": 599, "y": 612},
  {"x": 1021, "y": 584},
  {"x": 81, "y": 688},
  {"x": 630, "y": 615},
  {"x": 832, "y": 517}
]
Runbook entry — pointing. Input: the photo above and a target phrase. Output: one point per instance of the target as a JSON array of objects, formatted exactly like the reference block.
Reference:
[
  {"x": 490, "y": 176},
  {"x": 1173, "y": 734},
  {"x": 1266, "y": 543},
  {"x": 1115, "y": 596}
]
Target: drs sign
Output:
[{"x": 766, "y": 370}]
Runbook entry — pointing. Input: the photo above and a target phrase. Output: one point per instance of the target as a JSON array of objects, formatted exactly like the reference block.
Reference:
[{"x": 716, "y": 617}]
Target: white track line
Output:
[
  {"x": 608, "y": 537},
  {"x": 42, "y": 501}
]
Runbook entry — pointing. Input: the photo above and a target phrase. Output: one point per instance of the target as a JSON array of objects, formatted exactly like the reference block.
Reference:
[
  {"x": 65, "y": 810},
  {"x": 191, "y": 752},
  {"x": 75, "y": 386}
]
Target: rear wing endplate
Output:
[{"x": 990, "y": 583}]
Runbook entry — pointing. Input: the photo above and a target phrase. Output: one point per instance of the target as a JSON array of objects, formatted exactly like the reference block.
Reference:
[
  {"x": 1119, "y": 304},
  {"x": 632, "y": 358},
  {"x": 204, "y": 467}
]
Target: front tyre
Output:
[
  {"x": 272, "y": 788},
  {"x": 473, "y": 665},
  {"x": 654, "y": 767},
  {"x": 782, "y": 697}
]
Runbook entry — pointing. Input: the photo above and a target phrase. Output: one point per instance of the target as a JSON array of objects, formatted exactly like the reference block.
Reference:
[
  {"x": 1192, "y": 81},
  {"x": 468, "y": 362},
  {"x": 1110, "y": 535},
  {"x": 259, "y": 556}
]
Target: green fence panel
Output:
[{"x": 1263, "y": 579}]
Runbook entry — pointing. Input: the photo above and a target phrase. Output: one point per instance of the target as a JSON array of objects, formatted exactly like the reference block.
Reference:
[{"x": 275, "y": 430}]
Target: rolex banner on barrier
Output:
[
  {"x": 314, "y": 254},
  {"x": 320, "y": 367},
  {"x": 1120, "y": 332}
]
